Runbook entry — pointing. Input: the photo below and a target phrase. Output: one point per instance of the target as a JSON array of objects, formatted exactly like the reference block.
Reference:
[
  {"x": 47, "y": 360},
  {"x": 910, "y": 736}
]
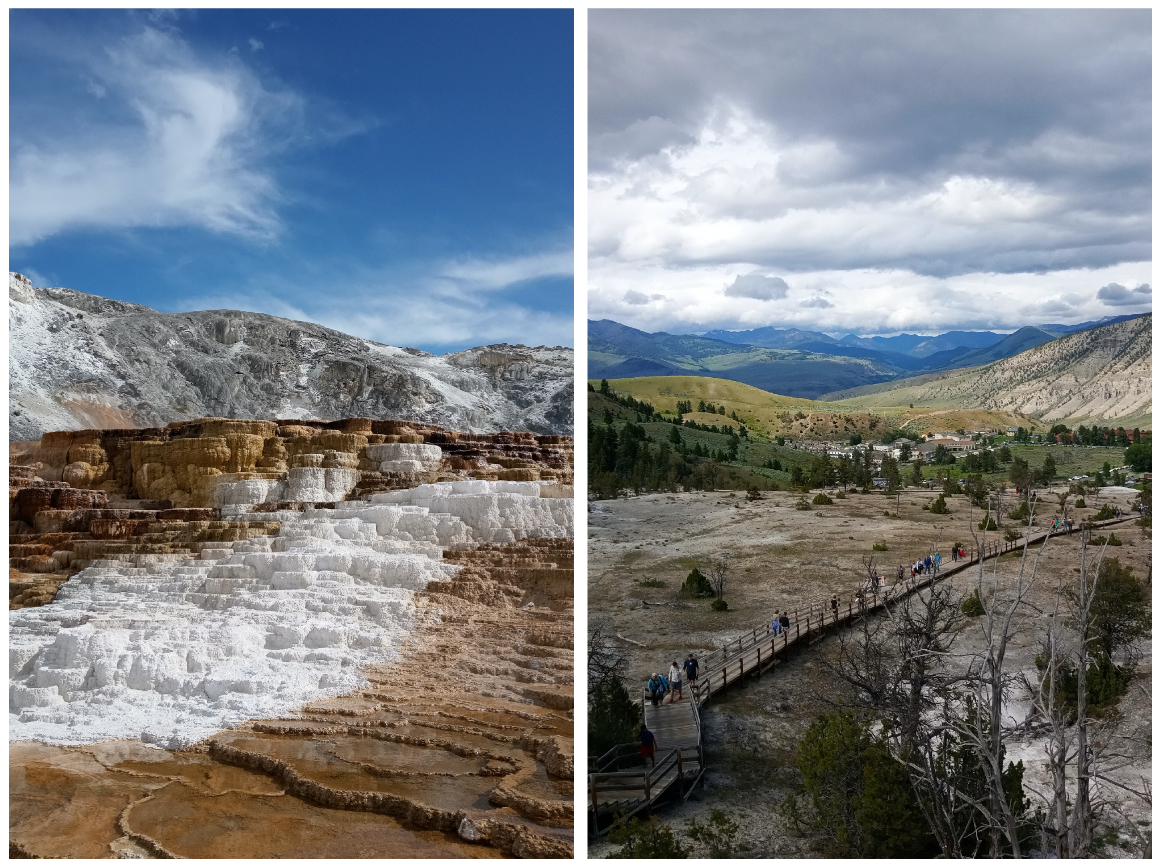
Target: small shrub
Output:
[
  {"x": 822, "y": 499},
  {"x": 651, "y": 839},
  {"x": 881, "y": 546},
  {"x": 719, "y": 606},
  {"x": 1020, "y": 512},
  {"x": 697, "y": 585},
  {"x": 1105, "y": 512},
  {"x": 987, "y": 523},
  {"x": 1012, "y": 535},
  {"x": 752, "y": 493},
  {"x": 939, "y": 506},
  {"x": 652, "y": 583},
  {"x": 1079, "y": 503},
  {"x": 802, "y": 504},
  {"x": 717, "y": 834},
  {"x": 1110, "y": 540},
  {"x": 839, "y": 495},
  {"x": 926, "y": 507},
  {"x": 972, "y": 605}
]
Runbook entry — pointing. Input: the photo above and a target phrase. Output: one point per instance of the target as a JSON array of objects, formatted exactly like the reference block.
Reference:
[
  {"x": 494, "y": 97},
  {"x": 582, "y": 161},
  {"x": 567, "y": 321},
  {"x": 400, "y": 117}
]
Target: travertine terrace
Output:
[{"x": 270, "y": 638}]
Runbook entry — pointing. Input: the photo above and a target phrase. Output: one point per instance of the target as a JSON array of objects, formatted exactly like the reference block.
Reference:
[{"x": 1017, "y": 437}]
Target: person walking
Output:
[
  {"x": 776, "y": 627},
  {"x": 690, "y": 668},
  {"x": 927, "y": 564},
  {"x": 675, "y": 678},
  {"x": 649, "y": 746},
  {"x": 784, "y": 622},
  {"x": 655, "y": 689},
  {"x": 936, "y": 560},
  {"x": 899, "y": 573}
]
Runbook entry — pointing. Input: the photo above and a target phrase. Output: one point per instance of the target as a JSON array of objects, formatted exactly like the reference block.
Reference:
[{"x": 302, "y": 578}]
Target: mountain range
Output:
[
  {"x": 82, "y": 361},
  {"x": 805, "y": 364},
  {"x": 1101, "y": 375}
]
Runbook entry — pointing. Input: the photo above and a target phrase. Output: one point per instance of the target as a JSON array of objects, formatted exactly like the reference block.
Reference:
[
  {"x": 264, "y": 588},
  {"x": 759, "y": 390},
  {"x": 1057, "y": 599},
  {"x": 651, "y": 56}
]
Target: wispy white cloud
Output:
[
  {"x": 501, "y": 273},
  {"x": 440, "y": 304},
  {"x": 182, "y": 141}
]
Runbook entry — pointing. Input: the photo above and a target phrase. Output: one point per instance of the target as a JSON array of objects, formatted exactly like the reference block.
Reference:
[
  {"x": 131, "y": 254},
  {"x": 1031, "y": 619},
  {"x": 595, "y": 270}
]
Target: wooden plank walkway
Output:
[
  {"x": 674, "y": 724},
  {"x": 677, "y": 726}
]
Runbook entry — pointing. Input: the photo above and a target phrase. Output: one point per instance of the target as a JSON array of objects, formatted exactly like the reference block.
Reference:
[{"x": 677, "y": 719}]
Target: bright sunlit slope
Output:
[
  {"x": 1101, "y": 376},
  {"x": 778, "y": 415}
]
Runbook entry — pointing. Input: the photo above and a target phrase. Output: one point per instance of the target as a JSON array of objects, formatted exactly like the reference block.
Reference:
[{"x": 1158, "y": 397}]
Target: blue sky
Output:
[{"x": 405, "y": 176}]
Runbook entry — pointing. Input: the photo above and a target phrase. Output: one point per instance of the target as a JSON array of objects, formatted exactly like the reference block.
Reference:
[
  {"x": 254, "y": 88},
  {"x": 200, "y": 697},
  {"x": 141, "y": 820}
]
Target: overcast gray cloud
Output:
[
  {"x": 924, "y": 146},
  {"x": 1117, "y": 295},
  {"x": 758, "y": 286}
]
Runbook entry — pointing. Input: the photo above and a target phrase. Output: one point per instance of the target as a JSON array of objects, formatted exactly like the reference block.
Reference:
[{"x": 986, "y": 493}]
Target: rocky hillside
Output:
[
  {"x": 80, "y": 361},
  {"x": 1100, "y": 376}
]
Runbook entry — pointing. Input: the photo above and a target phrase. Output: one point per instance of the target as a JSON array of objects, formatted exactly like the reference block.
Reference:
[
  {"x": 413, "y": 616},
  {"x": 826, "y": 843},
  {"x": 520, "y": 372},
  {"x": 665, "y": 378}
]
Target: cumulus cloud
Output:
[
  {"x": 758, "y": 286},
  {"x": 1116, "y": 295},
  {"x": 632, "y": 296},
  {"x": 932, "y": 166},
  {"x": 865, "y": 301},
  {"x": 183, "y": 141}
]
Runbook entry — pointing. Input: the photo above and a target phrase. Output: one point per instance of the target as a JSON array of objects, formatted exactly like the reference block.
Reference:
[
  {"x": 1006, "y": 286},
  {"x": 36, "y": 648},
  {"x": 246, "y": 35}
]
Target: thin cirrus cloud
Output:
[
  {"x": 486, "y": 274},
  {"x": 440, "y": 307},
  {"x": 886, "y": 155}
]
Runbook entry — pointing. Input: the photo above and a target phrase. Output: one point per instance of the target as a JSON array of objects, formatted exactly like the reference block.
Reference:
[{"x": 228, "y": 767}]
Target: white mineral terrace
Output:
[{"x": 177, "y": 649}]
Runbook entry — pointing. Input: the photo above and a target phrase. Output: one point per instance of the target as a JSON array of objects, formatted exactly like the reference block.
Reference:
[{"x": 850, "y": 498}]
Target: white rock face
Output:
[
  {"x": 81, "y": 361},
  {"x": 302, "y": 485},
  {"x": 175, "y": 650}
]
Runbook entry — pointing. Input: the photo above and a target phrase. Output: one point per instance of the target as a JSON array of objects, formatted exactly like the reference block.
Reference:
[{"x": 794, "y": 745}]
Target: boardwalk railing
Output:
[{"x": 624, "y": 793}]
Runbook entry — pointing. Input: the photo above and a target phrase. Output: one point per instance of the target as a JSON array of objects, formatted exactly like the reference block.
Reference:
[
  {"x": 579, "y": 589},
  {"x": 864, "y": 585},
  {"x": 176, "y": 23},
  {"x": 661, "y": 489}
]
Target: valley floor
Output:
[{"x": 780, "y": 556}]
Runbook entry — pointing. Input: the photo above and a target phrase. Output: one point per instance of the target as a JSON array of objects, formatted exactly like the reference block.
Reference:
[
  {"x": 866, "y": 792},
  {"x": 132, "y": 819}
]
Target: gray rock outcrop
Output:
[{"x": 81, "y": 361}]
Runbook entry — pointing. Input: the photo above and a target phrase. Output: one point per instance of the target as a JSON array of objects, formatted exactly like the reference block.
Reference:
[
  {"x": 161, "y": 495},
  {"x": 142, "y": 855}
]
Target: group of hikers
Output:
[{"x": 659, "y": 686}]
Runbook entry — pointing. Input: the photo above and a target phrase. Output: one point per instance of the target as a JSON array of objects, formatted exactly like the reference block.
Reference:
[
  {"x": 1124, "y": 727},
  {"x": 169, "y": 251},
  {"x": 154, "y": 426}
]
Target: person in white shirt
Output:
[{"x": 675, "y": 679}]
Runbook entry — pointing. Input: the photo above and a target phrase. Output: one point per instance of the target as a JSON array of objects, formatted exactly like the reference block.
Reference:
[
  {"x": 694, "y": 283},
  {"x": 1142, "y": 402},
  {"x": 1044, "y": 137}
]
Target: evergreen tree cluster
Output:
[
  {"x": 645, "y": 408},
  {"x": 1095, "y": 436},
  {"x": 623, "y": 457}
]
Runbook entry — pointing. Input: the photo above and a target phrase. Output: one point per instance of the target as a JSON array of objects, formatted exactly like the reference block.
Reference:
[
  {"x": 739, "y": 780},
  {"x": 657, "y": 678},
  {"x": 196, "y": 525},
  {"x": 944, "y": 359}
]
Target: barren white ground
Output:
[{"x": 173, "y": 650}]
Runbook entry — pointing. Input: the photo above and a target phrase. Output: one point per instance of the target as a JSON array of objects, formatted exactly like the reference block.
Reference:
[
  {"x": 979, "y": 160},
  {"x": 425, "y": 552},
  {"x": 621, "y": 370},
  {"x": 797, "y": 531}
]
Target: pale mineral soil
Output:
[
  {"x": 780, "y": 556},
  {"x": 474, "y": 719}
]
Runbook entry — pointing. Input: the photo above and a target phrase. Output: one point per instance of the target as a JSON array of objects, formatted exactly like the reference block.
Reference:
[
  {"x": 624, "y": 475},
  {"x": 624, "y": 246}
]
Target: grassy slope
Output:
[{"x": 774, "y": 415}]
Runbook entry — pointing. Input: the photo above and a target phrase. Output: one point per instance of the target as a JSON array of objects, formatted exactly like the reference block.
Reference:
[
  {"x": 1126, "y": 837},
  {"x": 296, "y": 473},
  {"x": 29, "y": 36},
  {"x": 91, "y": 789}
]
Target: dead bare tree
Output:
[
  {"x": 605, "y": 658},
  {"x": 897, "y": 665},
  {"x": 719, "y": 570},
  {"x": 973, "y": 710}
]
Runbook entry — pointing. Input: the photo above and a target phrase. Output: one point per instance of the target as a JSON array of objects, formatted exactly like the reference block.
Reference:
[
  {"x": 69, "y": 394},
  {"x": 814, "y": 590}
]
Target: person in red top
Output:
[{"x": 649, "y": 745}]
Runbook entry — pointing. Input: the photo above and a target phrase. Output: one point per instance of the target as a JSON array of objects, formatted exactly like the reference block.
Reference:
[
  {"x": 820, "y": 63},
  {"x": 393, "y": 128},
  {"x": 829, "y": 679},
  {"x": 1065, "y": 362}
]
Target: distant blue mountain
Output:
[
  {"x": 1082, "y": 326},
  {"x": 779, "y": 339},
  {"x": 804, "y": 363}
]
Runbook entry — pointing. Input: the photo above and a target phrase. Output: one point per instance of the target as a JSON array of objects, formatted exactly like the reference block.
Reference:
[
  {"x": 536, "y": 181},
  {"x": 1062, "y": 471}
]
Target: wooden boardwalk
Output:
[{"x": 618, "y": 782}]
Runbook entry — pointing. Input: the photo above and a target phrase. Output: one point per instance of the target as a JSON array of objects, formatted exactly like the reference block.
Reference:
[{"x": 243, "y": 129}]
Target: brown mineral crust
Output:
[
  {"x": 184, "y": 462},
  {"x": 461, "y": 747},
  {"x": 26, "y": 590}
]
